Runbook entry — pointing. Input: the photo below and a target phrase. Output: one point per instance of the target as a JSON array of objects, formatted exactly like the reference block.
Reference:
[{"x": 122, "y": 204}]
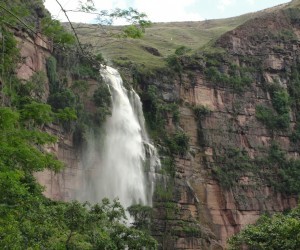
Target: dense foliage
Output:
[
  {"x": 37, "y": 223},
  {"x": 280, "y": 231},
  {"x": 274, "y": 168},
  {"x": 28, "y": 220},
  {"x": 277, "y": 118}
]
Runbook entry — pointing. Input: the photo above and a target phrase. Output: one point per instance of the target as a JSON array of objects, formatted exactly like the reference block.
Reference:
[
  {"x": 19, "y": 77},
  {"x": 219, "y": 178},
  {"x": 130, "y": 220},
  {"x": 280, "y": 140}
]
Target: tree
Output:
[
  {"x": 142, "y": 216},
  {"x": 28, "y": 220},
  {"x": 280, "y": 231}
]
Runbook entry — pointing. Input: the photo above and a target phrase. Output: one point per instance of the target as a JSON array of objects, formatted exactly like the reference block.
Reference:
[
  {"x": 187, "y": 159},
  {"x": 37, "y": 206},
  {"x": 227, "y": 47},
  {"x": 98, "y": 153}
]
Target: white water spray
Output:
[{"x": 117, "y": 166}]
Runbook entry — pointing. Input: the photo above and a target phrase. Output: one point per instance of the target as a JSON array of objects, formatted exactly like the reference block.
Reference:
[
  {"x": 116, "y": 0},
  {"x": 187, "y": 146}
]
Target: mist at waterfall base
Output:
[{"x": 121, "y": 163}]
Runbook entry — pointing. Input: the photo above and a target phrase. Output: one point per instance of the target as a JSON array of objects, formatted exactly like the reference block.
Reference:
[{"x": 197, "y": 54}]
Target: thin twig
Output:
[{"x": 75, "y": 33}]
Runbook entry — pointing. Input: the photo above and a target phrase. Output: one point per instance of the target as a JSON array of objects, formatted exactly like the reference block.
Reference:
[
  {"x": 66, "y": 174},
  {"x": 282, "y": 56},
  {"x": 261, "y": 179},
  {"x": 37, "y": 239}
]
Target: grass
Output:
[{"x": 165, "y": 37}]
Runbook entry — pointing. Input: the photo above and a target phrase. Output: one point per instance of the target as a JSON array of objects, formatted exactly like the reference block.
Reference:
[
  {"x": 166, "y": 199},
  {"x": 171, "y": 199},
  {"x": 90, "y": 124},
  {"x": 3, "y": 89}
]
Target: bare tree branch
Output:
[{"x": 75, "y": 33}]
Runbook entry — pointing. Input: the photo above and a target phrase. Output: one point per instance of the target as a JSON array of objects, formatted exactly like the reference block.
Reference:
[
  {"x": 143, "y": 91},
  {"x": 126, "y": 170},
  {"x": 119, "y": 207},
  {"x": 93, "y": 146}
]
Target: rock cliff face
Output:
[
  {"x": 59, "y": 186},
  {"x": 268, "y": 47}
]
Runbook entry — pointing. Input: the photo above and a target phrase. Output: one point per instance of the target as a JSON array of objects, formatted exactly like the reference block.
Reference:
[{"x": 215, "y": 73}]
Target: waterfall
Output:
[{"x": 117, "y": 165}]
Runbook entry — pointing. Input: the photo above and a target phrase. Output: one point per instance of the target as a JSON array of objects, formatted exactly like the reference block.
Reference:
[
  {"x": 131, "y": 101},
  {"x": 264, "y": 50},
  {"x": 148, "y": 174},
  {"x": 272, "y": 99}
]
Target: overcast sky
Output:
[{"x": 168, "y": 10}]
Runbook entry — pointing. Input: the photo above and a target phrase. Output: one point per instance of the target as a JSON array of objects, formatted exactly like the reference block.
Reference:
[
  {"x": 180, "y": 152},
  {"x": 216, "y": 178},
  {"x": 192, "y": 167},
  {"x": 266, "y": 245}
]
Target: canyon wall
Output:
[
  {"x": 34, "y": 50},
  {"x": 268, "y": 49}
]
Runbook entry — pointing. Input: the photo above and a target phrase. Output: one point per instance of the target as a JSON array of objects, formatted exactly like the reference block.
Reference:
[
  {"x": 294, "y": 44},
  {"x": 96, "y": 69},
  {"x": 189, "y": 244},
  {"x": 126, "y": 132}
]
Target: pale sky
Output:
[{"x": 167, "y": 10}]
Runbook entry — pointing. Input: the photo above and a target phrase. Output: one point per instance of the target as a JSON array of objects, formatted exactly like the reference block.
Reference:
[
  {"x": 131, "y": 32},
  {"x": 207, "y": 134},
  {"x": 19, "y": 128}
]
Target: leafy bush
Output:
[
  {"x": 80, "y": 87},
  {"x": 62, "y": 99},
  {"x": 54, "y": 30},
  {"x": 286, "y": 171},
  {"x": 178, "y": 143},
  {"x": 59, "y": 225},
  {"x": 274, "y": 169},
  {"x": 280, "y": 118},
  {"x": 201, "y": 111},
  {"x": 132, "y": 32},
  {"x": 36, "y": 113},
  {"x": 182, "y": 50},
  {"x": 238, "y": 80},
  {"x": 280, "y": 99},
  {"x": 174, "y": 62},
  {"x": 142, "y": 216},
  {"x": 231, "y": 166},
  {"x": 102, "y": 96},
  {"x": 85, "y": 71},
  {"x": 281, "y": 231},
  {"x": 157, "y": 112},
  {"x": 52, "y": 74},
  {"x": 271, "y": 120},
  {"x": 168, "y": 166},
  {"x": 10, "y": 53}
]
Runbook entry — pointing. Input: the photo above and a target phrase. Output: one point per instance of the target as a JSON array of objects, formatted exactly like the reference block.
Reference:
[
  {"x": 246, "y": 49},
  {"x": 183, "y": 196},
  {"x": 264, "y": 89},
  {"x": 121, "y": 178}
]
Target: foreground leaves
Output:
[{"x": 281, "y": 231}]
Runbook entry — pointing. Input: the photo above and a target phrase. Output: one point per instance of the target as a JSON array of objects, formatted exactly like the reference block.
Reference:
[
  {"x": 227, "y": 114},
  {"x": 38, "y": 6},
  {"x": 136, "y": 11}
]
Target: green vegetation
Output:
[
  {"x": 102, "y": 100},
  {"x": 271, "y": 120},
  {"x": 163, "y": 37},
  {"x": 142, "y": 216},
  {"x": 280, "y": 119},
  {"x": 174, "y": 61},
  {"x": 232, "y": 165},
  {"x": 294, "y": 92},
  {"x": 28, "y": 220},
  {"x": 168, "y": 165},
  {"x": 201, "y": 112},
  {"x": 280, "y": 231},
  {"x": 280, "y": 172},
  {"x": 178, "y": 143},
  {"x": 237, "y": 77},
  {"x": 11, "y": 54},
  {"x": 39, "y": 223},
  {"x": 70, "y": 98},
  {"x": 164, "y": 191},
  {"x": 158, "y": 114},
  {"x": 189, "y": 228},
  {"x": 283, "y": 35},
  {"x": 158, "y": 111},
  {"x": 54, "y": 30}
]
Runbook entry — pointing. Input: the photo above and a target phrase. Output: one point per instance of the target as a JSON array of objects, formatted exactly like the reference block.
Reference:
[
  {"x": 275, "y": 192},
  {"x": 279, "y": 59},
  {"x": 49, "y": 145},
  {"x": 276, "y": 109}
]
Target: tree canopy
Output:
[
  {"x": 280, "y": 231},
  {"x": 28, "y": 220}
]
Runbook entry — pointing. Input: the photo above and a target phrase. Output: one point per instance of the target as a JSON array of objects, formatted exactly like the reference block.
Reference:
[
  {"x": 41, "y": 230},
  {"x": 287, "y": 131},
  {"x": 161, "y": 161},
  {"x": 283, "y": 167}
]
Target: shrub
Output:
[
  {"x": 63, "y": 99},
  {"x": 281, "y": 231},
  {"x": 271, "y": 120},
  {"x": 182, "y": 50},
  {"x": 232, "y": 165},
  {"x": 201, "y": 111},
  {"x": 102, "y": 96},
  {"x": 53, "y": 29},
  {"x": 178, "y": 143},
  {"x": 52, "y": 74}
]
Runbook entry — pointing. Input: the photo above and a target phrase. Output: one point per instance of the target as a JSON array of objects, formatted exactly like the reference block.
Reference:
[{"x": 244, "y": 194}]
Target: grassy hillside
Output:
[{"x": 161, "y": 39}]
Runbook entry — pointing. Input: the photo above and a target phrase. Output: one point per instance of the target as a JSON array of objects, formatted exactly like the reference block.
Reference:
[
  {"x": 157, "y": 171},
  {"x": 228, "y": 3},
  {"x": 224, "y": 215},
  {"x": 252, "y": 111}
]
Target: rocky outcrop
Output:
[
  {"x": 63, "y": 185},
  {"x": 268, "y": 47},
  {"x": 227, "y": 211},
  {"x": 33, "y": 51}
]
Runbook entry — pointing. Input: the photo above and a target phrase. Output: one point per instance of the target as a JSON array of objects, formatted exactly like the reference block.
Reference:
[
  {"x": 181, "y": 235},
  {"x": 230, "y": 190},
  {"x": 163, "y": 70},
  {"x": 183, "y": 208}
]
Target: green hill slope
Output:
[{"x": 161, "y": 39}]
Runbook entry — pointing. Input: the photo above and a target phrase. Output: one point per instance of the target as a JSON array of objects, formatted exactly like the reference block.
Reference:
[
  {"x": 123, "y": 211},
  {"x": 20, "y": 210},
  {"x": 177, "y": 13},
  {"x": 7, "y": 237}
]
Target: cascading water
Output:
[{"x": 117, "y": 165}]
